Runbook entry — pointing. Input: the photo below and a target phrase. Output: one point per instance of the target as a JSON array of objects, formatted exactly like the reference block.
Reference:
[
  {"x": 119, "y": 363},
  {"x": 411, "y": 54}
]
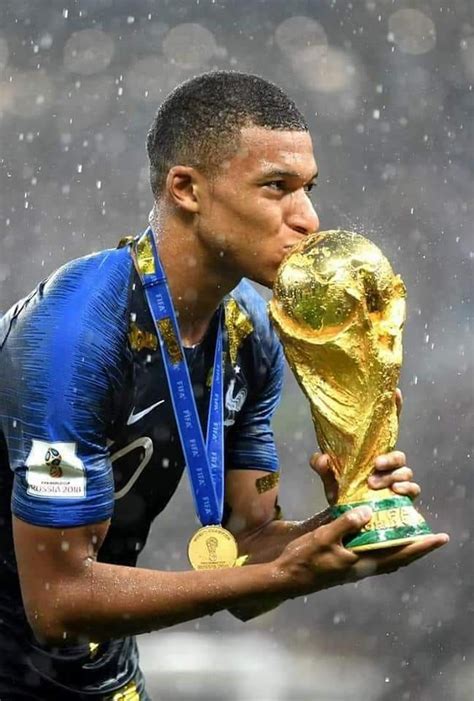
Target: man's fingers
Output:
[
  {"x": 390, "y": 461},
  {"x": 399, "y": 401},
  {"x": 350, "y": 522},
  {"x": 320, "y": 463},
  {"x": 379, "y": 480},
  {"x": 417, "y": 549},
  {"x": 388, "y": 560},
  {"x": 406, "y": 489}
]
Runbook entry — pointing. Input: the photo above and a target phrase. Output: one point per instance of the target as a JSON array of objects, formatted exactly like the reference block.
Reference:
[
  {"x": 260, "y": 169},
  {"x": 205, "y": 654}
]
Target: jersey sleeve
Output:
[
  {"x": 62, "y": 357},
  {"x": 251, "y": 442}
]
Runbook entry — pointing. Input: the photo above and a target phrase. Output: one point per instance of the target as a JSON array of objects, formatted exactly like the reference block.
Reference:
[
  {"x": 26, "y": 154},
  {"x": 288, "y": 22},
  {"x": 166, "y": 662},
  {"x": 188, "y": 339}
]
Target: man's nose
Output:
[{"x": 303, "y": 217}]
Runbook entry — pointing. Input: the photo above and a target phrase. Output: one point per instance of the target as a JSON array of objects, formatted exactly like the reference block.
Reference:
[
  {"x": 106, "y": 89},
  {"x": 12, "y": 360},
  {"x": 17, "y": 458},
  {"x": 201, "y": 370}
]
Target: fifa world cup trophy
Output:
[{"x": 339, "y": 310}]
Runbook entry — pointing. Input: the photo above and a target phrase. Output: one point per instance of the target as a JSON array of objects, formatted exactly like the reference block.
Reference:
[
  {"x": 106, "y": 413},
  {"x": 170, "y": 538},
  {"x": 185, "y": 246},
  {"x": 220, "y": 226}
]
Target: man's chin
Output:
[{"x": 264, "y": 280}]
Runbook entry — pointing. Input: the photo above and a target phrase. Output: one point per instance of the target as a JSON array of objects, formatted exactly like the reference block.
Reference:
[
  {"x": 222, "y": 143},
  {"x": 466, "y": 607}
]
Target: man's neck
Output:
[{"x": 196, "y": 283}]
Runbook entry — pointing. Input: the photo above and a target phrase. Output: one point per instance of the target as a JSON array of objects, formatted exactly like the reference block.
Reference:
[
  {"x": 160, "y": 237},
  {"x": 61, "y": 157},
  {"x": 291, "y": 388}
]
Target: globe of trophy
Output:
[{"x": 339, "y": 311}]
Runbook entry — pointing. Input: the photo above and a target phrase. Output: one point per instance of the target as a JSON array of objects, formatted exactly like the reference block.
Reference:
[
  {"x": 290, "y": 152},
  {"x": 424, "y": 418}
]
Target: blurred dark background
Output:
[{"x": 387, "y": 88}]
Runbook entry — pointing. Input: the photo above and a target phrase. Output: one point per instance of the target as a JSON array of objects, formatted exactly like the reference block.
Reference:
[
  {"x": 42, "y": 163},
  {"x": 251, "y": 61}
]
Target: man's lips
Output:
[{"x": 289, "y": 246}]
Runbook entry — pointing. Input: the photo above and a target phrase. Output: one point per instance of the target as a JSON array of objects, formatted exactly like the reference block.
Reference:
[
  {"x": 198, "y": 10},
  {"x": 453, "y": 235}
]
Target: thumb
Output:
[
  {"x": 321, "y": 464},
  {"x": 398, "y": 401},
  {"x": 350, "y": 522}
]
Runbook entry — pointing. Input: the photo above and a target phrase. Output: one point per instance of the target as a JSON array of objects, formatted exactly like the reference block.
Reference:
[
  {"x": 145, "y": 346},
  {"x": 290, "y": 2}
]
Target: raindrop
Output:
[
  {"x": 189, "y": 45},
  {"x": 46, "y": 41},
  {"x": 88, "y": 51},
  {"x": 412, "y": 31}
]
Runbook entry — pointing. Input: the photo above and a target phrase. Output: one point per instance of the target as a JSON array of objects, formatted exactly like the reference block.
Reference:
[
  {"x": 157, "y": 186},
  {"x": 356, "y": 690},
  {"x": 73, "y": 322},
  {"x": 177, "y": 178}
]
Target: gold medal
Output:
[{"x": 212, "y": 548}]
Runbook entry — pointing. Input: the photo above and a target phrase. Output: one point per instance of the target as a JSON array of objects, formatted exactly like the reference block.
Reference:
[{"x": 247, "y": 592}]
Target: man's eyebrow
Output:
[{"x": 276, "y": 173}]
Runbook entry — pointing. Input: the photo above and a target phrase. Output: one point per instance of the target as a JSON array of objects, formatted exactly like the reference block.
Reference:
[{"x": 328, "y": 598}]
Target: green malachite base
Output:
[{"x": 394, "y": 522}]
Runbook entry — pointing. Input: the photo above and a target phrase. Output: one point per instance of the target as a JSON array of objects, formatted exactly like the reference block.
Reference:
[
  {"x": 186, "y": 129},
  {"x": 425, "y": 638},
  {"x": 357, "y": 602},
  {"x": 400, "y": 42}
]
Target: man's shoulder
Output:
[
  {"x": 82, "y": 287},
  {"x": 104, "y": 265}
]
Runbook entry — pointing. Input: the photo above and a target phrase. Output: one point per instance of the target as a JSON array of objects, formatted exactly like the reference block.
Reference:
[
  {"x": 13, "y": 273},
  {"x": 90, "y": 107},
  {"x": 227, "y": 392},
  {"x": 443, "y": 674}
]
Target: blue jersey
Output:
[{"x": 87, "y": 433}]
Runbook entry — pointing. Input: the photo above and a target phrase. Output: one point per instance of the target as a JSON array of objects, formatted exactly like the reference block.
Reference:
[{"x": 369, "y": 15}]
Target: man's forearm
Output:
[{"x": 112, "y": 601}]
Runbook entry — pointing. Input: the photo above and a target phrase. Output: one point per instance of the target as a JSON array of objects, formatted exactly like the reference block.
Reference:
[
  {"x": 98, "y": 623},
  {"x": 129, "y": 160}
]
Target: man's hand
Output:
[
  {"x": 390, "y": 471},
  {"x": 318, "y": 560}
]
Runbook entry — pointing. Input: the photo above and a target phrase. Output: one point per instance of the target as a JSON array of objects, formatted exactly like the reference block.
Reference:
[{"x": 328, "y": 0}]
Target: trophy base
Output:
[{"x": 394, "y": 522}]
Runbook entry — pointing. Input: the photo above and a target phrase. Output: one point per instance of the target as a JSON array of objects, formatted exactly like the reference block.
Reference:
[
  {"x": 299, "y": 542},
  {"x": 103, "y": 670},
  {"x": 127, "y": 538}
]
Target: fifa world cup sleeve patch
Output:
[{"x": 55, "y": 471}]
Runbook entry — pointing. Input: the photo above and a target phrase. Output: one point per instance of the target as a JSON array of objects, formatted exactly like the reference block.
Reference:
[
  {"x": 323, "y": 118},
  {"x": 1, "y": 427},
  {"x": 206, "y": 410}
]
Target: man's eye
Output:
[
  {"x": 309, "y": 187},
  {"x": 276, "y": 185}
]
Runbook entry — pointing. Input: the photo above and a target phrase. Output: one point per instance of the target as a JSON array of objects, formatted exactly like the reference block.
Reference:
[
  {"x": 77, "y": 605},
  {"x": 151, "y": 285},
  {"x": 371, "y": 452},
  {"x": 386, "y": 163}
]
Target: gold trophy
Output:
[{"x": 339, "y": 310}]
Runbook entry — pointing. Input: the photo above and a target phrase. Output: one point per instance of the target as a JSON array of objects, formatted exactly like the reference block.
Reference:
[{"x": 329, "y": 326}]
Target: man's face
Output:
[{"x": 257, "y": 206}]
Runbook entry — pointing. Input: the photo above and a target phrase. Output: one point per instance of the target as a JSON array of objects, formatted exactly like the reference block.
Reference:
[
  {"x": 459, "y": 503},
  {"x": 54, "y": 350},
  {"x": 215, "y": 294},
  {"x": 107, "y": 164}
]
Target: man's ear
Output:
[{"x": 182, "y": 187}]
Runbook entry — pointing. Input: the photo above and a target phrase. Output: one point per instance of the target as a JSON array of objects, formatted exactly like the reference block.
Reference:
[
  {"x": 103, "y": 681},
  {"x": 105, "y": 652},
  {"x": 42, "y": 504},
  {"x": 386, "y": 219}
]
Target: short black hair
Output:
[{"x": 199, "y": 123}]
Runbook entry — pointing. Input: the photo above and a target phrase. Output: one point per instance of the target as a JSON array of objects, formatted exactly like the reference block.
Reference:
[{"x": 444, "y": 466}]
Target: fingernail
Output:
[{"x": 365, "y": 511}]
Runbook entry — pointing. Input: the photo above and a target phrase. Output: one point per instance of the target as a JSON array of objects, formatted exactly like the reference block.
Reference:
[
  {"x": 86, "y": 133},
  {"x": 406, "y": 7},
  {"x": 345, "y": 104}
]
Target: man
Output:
[{"x": 90, "y": 451}]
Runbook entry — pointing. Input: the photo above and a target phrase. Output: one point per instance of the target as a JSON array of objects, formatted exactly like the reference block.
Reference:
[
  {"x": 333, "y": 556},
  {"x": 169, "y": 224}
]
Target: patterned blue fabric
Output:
[
  {"x": 87, "y": 433},
  {"x": 62, "y": 356},
  {"x": 251, "y": 442}
]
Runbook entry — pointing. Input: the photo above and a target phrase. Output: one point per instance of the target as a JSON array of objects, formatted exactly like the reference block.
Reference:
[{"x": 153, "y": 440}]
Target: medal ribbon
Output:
[{"x": 204, "y": 461}]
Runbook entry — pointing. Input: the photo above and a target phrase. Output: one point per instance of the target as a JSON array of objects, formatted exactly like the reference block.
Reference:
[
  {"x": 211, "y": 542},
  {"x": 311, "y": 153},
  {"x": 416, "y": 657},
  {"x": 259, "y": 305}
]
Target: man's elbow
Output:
[{"x": 55, "y": 624}]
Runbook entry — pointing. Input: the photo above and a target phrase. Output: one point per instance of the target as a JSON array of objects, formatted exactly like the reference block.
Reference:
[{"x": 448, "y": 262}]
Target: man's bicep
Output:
[
  {"x": 251, "y": 499},
  {"x": 50, "y": 561}
]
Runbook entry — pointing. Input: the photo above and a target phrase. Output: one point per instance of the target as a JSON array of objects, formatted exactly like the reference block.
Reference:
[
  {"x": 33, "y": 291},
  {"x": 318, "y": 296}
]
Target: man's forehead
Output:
[{"x": 276, "y": 150}]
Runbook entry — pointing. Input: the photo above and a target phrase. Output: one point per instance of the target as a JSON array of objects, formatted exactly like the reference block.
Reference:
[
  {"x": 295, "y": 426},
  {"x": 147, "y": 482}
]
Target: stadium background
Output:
[{"x": 388, "y": 90}]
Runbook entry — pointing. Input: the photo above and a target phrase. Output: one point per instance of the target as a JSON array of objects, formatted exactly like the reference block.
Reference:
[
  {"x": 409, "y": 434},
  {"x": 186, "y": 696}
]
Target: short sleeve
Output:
[
  {"x": 251, "y": 443},
  {"x": 62, "y": 357}
]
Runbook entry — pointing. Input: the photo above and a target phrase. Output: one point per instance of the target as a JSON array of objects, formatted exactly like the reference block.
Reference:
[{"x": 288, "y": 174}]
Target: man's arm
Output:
[{"x": 70, "y": 597}]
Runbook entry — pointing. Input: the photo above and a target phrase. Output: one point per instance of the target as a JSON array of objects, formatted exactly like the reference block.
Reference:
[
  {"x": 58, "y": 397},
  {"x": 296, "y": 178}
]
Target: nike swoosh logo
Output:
[{"x": 133, "y": 418}]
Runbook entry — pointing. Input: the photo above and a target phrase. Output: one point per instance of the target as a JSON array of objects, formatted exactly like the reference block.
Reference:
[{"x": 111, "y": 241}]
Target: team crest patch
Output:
[
  {"x": 234, "y": 401},
  {"x": 54, "y": 470}
]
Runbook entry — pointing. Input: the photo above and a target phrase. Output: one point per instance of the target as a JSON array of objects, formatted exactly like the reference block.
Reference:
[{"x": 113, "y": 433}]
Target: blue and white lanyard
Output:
[{"x": 204, "y": 461}]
